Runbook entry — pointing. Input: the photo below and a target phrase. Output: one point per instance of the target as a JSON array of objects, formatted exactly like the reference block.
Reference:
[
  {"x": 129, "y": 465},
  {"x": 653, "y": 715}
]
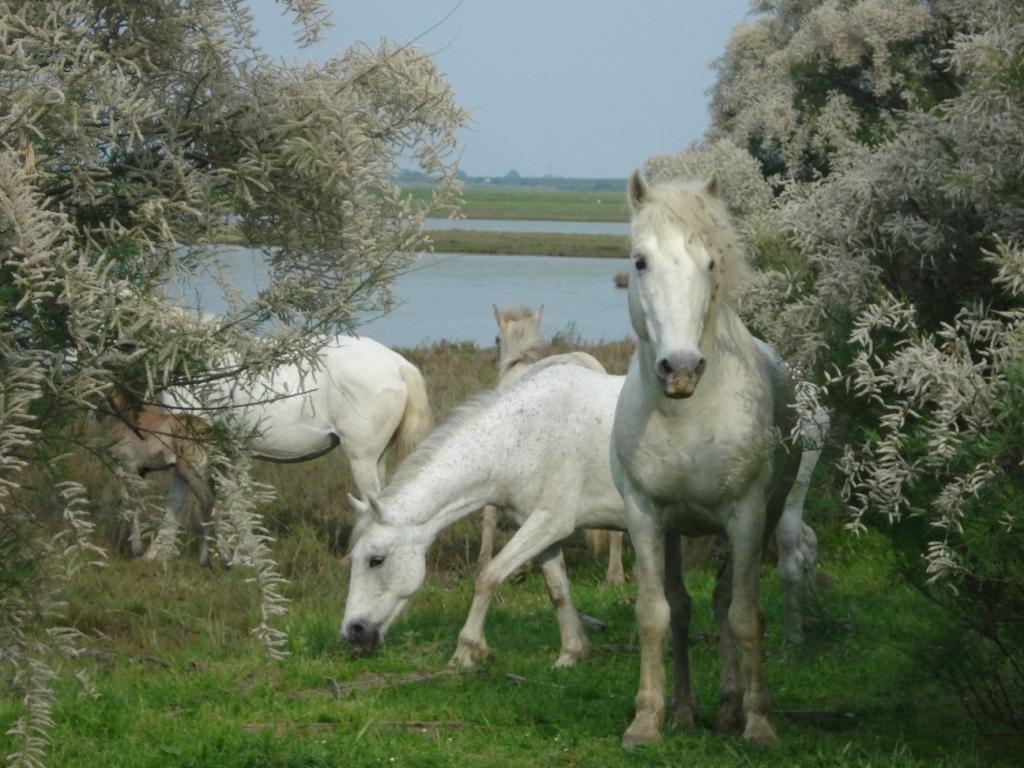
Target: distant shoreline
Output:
[{"x": 530, "y": 244}]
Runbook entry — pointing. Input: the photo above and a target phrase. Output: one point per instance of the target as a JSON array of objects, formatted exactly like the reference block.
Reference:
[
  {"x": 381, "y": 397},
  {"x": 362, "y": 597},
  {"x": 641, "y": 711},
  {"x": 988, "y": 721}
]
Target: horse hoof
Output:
[
  {"x": 468, "y": 656},
  {"x": 568, "y": 659},
  {"x": 611, "y": 583},
  {"x": 643, "y": 730},
  {"x": 759, "y": 731},
  {"x": 685, "y": 718},
  {"x": 728, "y": 719}
]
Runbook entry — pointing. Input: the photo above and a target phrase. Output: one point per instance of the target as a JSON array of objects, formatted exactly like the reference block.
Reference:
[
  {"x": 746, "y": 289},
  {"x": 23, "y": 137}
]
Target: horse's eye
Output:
[
  {"x": 641, "y": 263},
  {"x": 497, "y": 341},
  {"x": 376, "y": 560}
]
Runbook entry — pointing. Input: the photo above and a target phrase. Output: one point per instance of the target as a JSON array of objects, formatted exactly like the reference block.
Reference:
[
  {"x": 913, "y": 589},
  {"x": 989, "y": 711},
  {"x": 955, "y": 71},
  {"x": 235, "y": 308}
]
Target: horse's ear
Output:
[
  {"x": 712, "y": 187},
  {"x": 360, "y": 507},
  {"x": 637, "y": 190},
  {"x": 376, "y": 511}
]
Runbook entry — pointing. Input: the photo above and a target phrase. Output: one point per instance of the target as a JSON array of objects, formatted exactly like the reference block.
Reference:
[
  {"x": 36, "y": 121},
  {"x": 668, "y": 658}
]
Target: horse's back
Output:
[{"x": 566, "y": 413}]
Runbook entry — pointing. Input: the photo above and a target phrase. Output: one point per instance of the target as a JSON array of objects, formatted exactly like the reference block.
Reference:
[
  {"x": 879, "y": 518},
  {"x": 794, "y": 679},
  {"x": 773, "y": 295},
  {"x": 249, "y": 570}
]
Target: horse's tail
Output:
[
  {"x": 597, "y": 540},
  {"x": 417, "y": 419}
]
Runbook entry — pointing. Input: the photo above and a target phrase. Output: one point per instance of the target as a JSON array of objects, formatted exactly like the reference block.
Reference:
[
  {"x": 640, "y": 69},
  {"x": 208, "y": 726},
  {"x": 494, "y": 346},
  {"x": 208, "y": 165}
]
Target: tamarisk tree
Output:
[
  {"x": 887, "y": 224},
  {"x": 134, "y": 137}
]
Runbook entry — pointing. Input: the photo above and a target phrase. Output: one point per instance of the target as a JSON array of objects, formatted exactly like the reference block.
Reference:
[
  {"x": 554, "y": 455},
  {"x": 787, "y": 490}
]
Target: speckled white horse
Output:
[
  {"x": 360, "y": 396},
  {"x": 696, "y": 449}
]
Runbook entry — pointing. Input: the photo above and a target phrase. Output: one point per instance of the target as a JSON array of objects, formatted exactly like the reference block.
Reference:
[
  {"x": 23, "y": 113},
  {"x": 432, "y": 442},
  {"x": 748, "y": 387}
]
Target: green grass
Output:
[
  {"x": 539, "y": 204},
  {"x": 182, "y": 683},
  {"x": 530, "y": 243}
]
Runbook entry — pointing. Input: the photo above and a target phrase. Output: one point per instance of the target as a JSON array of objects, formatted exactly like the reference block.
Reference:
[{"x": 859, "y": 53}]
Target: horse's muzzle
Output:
[
  {"x": 679, "y": 376},
  {"x": 680, "y": 386},
  {"x": 362, "y": 635}
]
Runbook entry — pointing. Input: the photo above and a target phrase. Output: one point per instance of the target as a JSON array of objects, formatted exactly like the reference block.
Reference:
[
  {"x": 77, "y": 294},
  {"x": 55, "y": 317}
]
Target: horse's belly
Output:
[{"x": 290, "y": 432}]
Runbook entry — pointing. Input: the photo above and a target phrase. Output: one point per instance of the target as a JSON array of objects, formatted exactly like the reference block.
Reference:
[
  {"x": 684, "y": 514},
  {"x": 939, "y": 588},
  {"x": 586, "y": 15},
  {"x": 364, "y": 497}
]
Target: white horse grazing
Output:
[
  {"x": 695, "y": 449},
  {"x": 361, "y": 396},
  {"x": 519, "y": 344},
  {"x": 538, "y": 449}
]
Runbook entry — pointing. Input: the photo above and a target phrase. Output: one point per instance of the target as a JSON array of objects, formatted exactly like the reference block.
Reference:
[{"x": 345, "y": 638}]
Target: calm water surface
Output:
[{"x": 449, "y": 296}]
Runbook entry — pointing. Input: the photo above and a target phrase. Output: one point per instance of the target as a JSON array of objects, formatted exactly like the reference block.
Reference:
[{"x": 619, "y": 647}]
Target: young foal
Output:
[
  {"x": 362, "y": 397},
  {"x": 695, "y": 449},
  {"x": 519, "y": 344}
]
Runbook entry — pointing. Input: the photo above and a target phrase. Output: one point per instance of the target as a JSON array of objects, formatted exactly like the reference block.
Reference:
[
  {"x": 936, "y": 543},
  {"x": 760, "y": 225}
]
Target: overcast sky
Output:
[{"x": 585, "y": 88}]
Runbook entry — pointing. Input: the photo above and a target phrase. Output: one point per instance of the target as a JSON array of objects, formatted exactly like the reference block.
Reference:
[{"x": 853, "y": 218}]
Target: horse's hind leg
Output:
[
  {"x": 365, "y": 473},
  {"x": 615, "y": 576},
  {"x": 788, "y": 536},
  {"x": 488, "y": 528},
  {"x": 574, "y": 640},
  {"x": 684, "y": 705}
]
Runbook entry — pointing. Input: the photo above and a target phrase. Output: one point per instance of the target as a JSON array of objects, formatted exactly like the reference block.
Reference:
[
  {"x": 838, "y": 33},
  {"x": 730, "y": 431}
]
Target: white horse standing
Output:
[
  {"x": 694, "y": 449},
  {"x": 519, "y": 344},
  {"x": 539, "y": 449},
  {"x": 360, "y": 396}
]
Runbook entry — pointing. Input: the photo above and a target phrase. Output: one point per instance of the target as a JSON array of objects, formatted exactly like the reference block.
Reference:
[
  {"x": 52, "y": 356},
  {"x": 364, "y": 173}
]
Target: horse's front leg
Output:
[
  {"x": 203, "y": 489},
  {"x": 165, "y": 544},
  {"x": 652, "y": 617},
  {"x": 574, "y": 640},
  {"x": 746, "y": 541},
  {"x": 684, "y": 705},
  {"x": 540, "y": 530}
]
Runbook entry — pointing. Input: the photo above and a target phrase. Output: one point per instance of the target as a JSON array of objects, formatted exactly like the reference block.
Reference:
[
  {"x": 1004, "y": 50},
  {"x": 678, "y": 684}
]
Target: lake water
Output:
[
  {"x": 515, "y": 225},
  {"x": 449, "y": 296}
]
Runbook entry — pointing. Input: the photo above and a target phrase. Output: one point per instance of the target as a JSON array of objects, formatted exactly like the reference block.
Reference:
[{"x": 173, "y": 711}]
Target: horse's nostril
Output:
[
  {"x": 356, "y": 631},
  {"x": 699, "y": 370},
  {"x": 665, "y": 367}
]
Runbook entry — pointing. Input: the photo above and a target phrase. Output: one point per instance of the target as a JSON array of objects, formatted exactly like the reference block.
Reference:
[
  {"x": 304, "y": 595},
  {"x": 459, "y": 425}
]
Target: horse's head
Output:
[
  {"x": 680, "y": 245},
  {"x": 389, "y": 564},
  {"x": 518, "y": 331},
  {"x": 142, "y": 439}
]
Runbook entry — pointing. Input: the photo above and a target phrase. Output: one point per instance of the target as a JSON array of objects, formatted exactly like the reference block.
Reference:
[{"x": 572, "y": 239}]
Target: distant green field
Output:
[
  {"x": 530, "y": 243},
  {"x": 539, "y": 204}
]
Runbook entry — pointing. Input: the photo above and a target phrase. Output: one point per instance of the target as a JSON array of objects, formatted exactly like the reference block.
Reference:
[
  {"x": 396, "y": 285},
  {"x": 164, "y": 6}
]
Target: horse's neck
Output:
[
  {"x": 512, "y": 364},
  {"x": 456, "y": 480}
]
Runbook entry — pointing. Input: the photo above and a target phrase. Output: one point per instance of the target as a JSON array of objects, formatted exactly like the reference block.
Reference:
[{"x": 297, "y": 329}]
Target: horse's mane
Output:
[
  {"x": 689, "y": 205},
  {"x": 412, "y": 464}
]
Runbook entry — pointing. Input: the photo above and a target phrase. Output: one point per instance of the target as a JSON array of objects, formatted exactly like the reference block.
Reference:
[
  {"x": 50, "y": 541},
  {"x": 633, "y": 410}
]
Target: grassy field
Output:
[
  {"x": 539, "y": 204},
  {"x": 530, "y": 243},
  {"x": 181, "y": 682}
]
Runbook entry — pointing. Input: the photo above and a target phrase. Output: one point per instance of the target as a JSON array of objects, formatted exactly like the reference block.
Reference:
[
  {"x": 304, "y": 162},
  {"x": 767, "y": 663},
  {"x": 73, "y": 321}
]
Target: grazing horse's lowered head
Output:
[
  {"x": 389, "y": 564},
  {"x": 686, "y": 260}
]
